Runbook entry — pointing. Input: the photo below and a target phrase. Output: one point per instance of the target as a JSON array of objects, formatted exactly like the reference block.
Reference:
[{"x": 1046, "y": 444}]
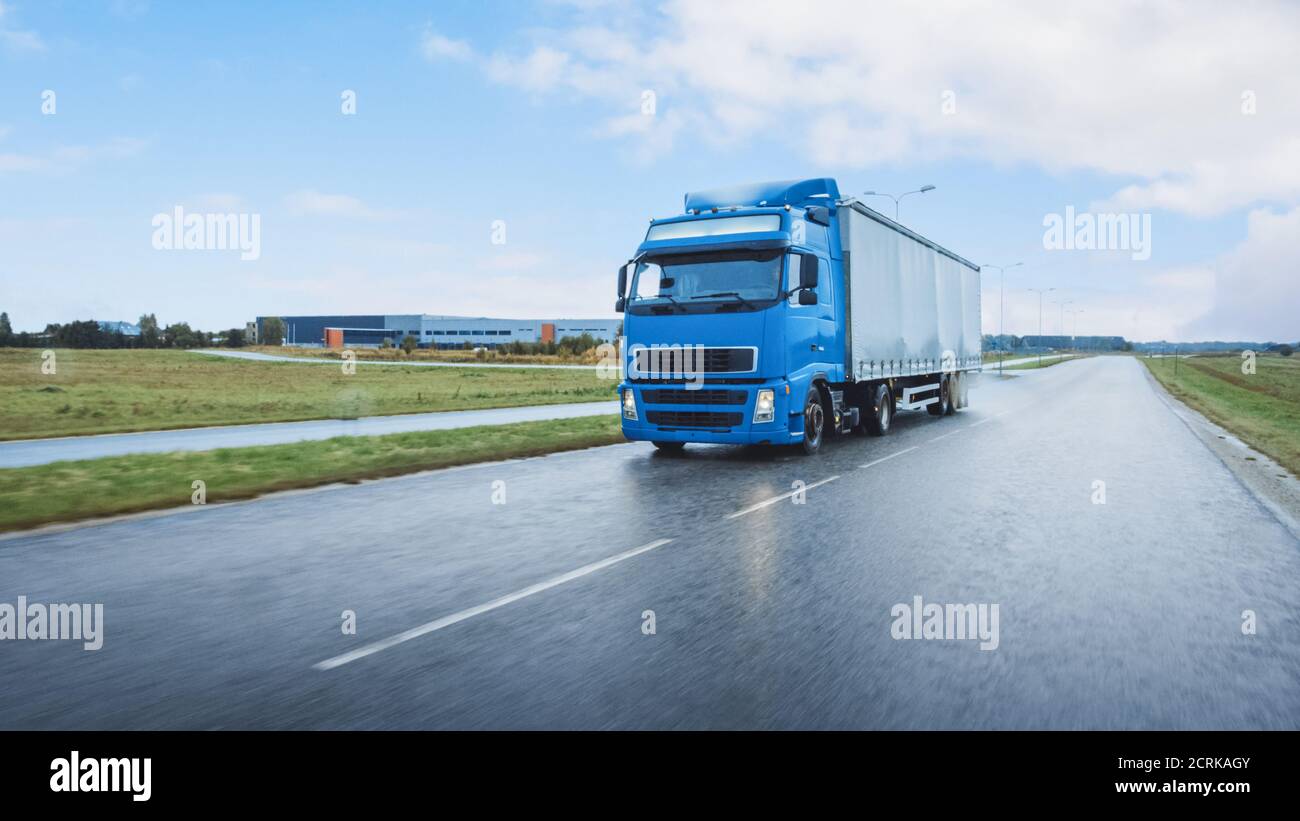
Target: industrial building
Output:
[
  {"x": 1088, "y": 343},
  {"x": 124, "y": 328},
  {"x": 432, "y": 331}
]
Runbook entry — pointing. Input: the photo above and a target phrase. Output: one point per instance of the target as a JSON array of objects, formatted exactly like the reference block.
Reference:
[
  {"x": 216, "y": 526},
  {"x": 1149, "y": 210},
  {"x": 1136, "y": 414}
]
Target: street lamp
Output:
[
  {"x": 1040, "y": 292},
  {"x": 1074, "y": 337},
  {"x": 1061, "y": 304},
  {"x": 899, "y": 198},
  {"x": 1002, "y": 302}
]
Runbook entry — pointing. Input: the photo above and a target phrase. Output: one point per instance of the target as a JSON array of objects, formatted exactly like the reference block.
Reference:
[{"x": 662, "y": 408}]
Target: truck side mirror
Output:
[
  {"x": 807, "y": 298},
  {"x": 620, "y": 305},
  {"x": 808, "y": 272},
  {"x": 622, "y": 280}
]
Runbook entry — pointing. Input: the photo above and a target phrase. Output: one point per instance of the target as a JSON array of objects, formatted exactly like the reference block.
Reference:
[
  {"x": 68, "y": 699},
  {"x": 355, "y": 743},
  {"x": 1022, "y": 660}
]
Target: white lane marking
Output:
[
  {"x": 782, "y": 497},
  {"x": 945, "y": 435},
  {"x": 980, "y": 422},
  {"x": 887, "y": 458},
  {"x": 454, "y": 618}
]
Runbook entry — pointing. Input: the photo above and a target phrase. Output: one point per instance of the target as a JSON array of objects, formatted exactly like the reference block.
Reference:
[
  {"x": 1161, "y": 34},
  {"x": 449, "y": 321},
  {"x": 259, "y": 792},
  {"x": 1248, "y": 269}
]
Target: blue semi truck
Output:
[{"x": 779, "y": 313}]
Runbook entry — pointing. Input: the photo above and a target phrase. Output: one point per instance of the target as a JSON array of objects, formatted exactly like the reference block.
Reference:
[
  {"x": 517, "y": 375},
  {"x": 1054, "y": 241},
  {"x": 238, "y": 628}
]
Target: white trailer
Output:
[{"x": 913, "y": 306}]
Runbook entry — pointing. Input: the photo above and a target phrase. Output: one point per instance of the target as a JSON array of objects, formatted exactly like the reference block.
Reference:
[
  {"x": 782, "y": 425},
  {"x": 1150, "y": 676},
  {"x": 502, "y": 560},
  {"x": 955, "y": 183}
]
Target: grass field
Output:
[
  {"x": 1262, "y": 408},
  {"x": 69, "y": 491},
  {"x": 123, "y": 390},
  {"x": 1046, "y": 363},
  {"x": 992, "y": 357}
]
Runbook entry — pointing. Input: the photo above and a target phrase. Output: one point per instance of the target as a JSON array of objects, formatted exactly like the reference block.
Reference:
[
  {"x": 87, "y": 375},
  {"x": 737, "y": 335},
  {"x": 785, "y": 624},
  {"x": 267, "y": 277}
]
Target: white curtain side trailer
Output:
[{"x": 913, "y": 306}]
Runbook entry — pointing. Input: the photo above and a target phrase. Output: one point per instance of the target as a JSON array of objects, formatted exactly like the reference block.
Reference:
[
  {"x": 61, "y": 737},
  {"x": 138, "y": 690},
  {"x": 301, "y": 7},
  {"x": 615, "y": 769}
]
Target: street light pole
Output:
[
  {"x": 897, "y": 200},
  {"x": 1002, "y": 303},
  {"x": 1060, "y": 325},
  {"x": 1040, "y": 291}
]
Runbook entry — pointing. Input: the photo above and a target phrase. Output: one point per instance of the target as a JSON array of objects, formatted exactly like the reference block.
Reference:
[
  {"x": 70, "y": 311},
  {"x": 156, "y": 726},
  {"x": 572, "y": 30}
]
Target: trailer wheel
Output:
[
  {"x": 878, "y": 415},
  {"x": 960, "y": 399},
  {"x": 814, "y": 421},
  {"x": 944, "y": 406},
  {"x": 670, "y": 447}
]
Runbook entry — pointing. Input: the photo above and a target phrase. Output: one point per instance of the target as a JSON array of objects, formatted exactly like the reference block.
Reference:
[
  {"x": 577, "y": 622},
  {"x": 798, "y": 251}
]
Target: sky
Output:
[{"x": 502, "y": 158}]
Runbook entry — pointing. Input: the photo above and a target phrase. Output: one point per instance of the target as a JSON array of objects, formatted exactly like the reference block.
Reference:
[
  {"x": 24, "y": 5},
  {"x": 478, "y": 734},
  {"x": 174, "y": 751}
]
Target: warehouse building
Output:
[{"x": 432, "y": 331}]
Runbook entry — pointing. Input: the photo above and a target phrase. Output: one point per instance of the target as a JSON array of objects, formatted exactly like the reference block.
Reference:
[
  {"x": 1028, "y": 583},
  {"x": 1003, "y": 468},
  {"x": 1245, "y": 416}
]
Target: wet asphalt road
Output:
[{"x": 1122, "y": 615}]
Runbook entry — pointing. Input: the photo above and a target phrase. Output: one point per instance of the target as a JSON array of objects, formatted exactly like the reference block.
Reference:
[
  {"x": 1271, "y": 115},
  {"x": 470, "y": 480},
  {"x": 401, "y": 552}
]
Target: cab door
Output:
[
  {"x": 803, "y": 322},
  {"x": 826, "y": 296}
]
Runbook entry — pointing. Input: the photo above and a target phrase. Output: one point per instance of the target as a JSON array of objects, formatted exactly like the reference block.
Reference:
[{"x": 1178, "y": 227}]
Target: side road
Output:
[{"x": 30, "y": 452}]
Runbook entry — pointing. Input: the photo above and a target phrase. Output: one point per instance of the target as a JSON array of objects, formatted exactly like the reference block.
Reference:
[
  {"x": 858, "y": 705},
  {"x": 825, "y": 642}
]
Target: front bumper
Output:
[{"x": 691, "y": 417}]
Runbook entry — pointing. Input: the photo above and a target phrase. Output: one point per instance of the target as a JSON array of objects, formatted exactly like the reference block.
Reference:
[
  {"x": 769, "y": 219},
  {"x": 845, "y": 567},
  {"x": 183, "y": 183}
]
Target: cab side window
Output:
[
  {"x": 792, "y": 263},
  {"x": 825, "y": 295}
]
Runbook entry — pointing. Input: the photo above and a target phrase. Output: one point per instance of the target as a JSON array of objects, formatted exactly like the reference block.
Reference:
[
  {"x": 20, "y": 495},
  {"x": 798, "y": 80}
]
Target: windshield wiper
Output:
[
  {"x": 675, "y": 304},
  {"x": 738, "y": 297}
]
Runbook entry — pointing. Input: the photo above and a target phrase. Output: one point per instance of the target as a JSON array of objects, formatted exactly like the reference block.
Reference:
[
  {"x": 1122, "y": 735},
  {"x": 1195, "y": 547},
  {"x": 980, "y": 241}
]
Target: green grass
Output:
[
  {"x": 1262, "y": 408},
  {"x": 1046, "y": 363},
  {"x": 125, "y": 390},
  {"x": 69, "y": 491},
  {"x": 992, "y": 357}
]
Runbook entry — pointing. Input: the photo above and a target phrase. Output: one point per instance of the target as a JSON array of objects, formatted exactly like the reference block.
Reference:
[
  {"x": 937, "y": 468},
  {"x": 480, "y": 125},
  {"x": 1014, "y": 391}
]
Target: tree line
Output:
[
  {"x": 568, "y": 346},
  {"x": 88, "y": 333}
]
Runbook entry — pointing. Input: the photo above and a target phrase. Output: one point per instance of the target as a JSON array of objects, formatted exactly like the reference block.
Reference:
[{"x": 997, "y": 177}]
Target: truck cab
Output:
[{"x": 734, "y": 311}]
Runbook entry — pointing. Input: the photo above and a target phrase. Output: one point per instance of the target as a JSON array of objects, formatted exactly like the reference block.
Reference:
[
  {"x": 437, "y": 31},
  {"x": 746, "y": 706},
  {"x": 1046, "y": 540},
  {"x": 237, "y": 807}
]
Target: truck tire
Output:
[
  {"x": 878, "y": 414},
  {"x": 959, "y": 396},
  {"x": 814, "y": 422},
  {"x": 944, "y": 406},
  {"x": 670, "y": 447}
]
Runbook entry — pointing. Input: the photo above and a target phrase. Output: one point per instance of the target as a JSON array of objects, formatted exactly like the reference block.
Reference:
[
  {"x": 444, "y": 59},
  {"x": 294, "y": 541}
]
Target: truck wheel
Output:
[
  {"x": 959, "y": 397},
  {"x": 944, "y": 406},
  {"x": 879, "y": 414},
  {"x": 814, "y": 421},
  {"x": 670, "y": 447}
]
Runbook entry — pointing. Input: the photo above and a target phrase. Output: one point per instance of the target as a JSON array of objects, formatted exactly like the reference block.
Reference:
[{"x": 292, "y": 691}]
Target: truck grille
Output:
[
  {"x": 703, "y": 396},
  {"x": 692, "y": 419},
  {"x": 659, "y": 362}
]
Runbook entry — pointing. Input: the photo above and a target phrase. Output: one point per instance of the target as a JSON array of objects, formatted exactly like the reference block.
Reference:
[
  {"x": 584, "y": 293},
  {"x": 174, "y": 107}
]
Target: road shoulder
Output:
[{"x": 1270, "y": 483}]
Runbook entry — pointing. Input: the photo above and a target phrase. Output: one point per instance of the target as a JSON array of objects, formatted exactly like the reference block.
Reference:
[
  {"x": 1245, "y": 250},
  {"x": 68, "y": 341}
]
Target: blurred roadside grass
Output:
[
  {"x": 69, "y": 491},
  {"x": 1262, "y": 408},
  {"x": 118, "y": 391}
]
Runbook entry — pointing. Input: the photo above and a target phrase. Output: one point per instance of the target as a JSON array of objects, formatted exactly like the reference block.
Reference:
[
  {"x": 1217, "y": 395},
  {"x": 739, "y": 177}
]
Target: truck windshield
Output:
[{"x": 735, "y": 276}]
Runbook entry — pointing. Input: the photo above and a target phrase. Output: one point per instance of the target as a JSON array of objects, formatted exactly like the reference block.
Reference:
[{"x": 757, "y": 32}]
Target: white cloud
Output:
[
  {"x": 542, "y": 70},
  {"x": 1257, "y": 285},
  {"x": 1153, "y": 92},
  {"x": 18, "y": 162},
  {"x": 129, "y": 8},
  {"x": 657, "y": 134},
  {"x": 435, "y": 46},
  {"x": 67, "y": 158},
  {"x": 17, "y": 41},
  {"x": 513, "y": 261},
  {"x": 310, "y": 202},
  {"x": 218, "y": 202},
  {"x": 1117, "y": 302}
]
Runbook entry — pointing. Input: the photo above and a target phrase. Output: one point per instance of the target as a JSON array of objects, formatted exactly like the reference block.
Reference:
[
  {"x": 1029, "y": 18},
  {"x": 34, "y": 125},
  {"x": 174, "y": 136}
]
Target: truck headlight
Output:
[
  {"x": 629, "y": 404},
  {"x": 765, "y": 405}
]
